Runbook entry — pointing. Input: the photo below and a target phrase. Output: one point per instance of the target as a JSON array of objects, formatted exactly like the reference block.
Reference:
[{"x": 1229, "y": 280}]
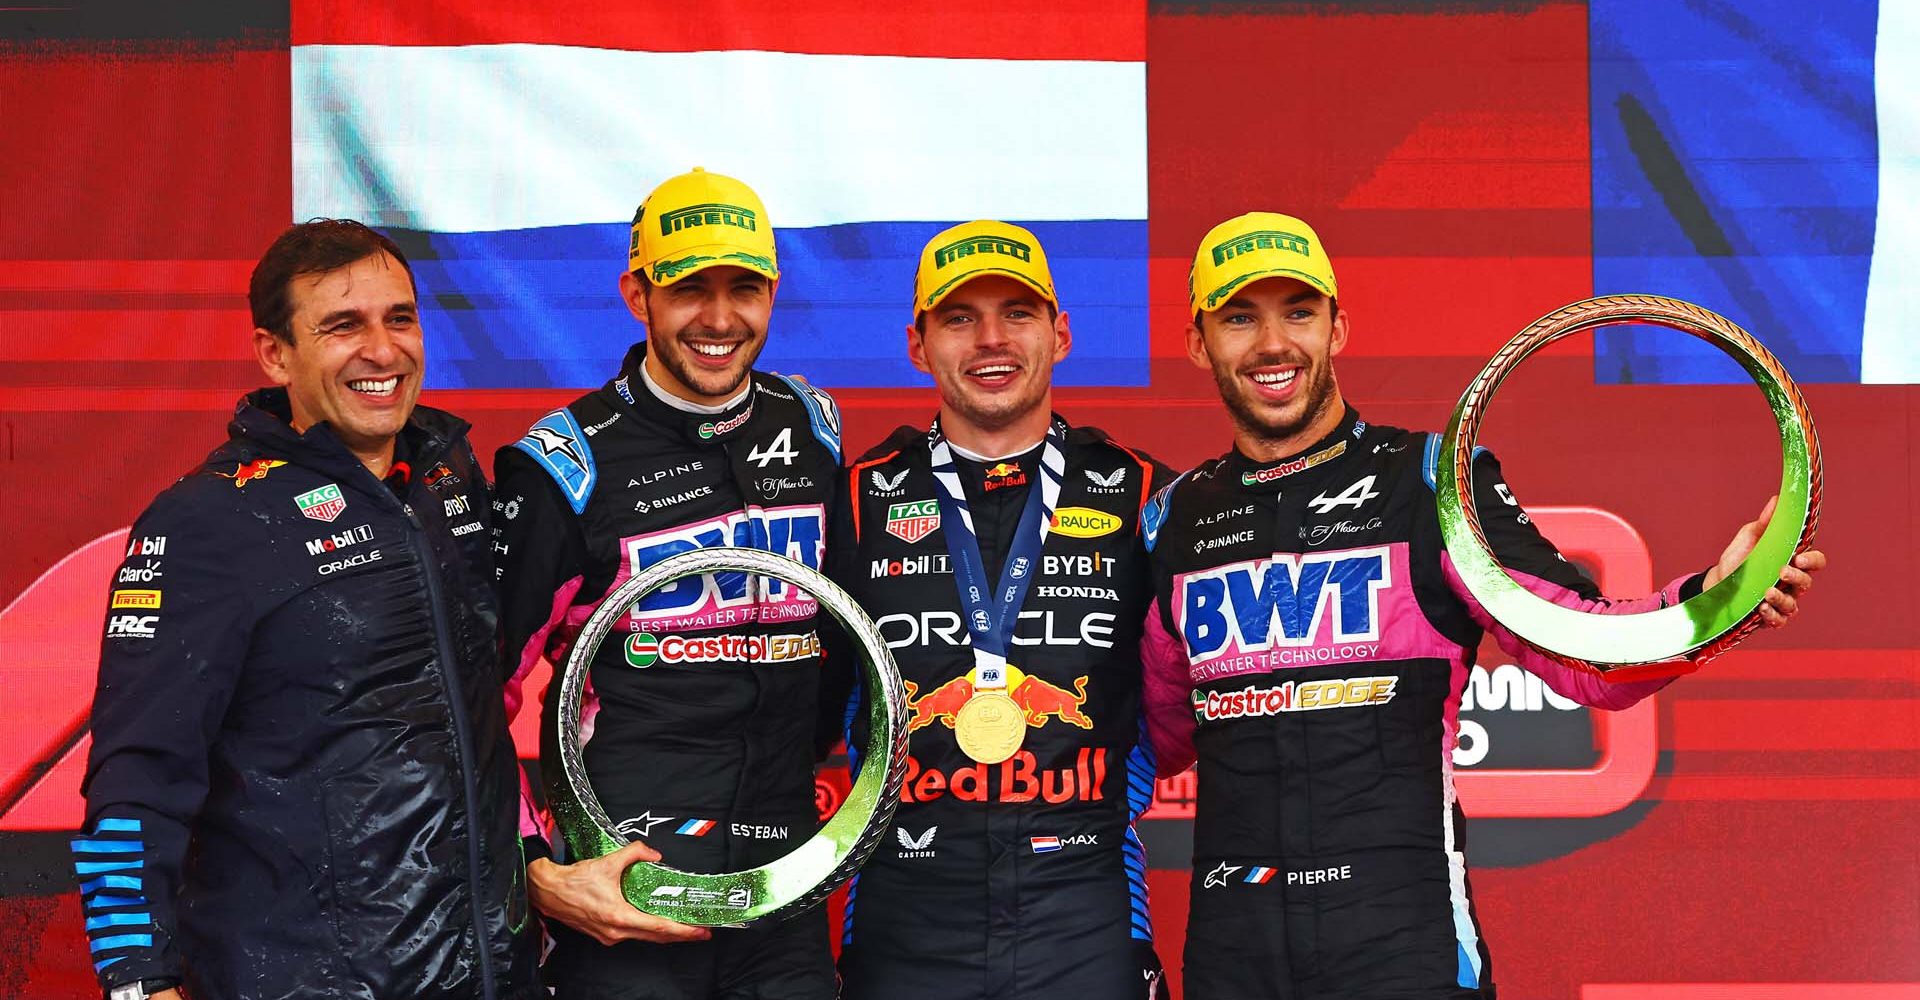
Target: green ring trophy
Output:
[
  {"x": 1696, "y": 630},
  {"x": 810, "y": 872}
]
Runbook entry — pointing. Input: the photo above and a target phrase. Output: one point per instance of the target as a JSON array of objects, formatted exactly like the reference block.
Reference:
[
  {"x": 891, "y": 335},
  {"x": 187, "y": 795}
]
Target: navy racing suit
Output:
[{"x": 1310, "y": 643}]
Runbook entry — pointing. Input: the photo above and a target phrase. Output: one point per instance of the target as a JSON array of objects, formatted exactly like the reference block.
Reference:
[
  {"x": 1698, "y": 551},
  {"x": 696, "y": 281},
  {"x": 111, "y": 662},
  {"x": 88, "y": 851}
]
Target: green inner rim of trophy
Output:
[
  {"x": 812, "y": 870},
  {"x": 1600, "y": 640}
]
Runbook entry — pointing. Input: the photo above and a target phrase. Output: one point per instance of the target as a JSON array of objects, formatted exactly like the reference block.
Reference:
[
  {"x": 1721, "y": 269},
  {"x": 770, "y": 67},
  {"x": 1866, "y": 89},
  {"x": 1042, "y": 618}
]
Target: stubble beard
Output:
[{"x": 1251, "y": 418}]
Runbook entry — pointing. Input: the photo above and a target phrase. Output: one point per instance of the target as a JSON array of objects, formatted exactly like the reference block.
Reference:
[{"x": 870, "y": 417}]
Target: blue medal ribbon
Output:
[{"x": 992, "y": 615}]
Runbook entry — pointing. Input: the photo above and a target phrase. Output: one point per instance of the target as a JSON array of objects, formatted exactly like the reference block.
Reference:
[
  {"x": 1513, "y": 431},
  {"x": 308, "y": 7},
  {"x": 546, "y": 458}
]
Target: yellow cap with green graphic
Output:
[
  {"x": 972, "y": 249},
  {"x": 1254, "y": 246},
  {"x": 700, "y": 220}
]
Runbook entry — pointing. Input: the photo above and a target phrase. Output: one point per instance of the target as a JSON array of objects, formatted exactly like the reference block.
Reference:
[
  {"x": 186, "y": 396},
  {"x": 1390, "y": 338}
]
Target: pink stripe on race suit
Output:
[
  {"x": 530, "y": 656},
  {"x": 1341, "y": 606},
  {"x": 1586, "y": 688}
]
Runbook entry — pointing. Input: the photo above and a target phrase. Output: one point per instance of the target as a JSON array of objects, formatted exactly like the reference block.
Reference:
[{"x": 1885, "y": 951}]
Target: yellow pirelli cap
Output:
[
  {"x": 1254, "y": 246},
  {"x": 972, "y": 249},
  {"x": 700, "y": 220}
]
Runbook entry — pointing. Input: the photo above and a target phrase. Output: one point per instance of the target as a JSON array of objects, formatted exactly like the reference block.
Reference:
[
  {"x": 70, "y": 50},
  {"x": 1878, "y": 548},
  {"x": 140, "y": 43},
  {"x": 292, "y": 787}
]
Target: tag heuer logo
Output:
[
  {"x": 913, "y": 521},
  {"x": 323, "y": 504}
]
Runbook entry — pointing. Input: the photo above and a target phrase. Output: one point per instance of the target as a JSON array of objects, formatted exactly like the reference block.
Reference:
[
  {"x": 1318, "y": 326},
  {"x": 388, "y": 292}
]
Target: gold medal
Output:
[{"x": 990, "y": 727}]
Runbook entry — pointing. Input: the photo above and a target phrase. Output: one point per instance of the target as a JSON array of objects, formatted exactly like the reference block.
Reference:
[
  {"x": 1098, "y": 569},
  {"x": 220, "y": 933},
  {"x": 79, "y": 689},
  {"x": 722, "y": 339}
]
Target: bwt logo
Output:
[
  {"x": 795, "y": 532},
  {"x": 1282, "y": 600}
]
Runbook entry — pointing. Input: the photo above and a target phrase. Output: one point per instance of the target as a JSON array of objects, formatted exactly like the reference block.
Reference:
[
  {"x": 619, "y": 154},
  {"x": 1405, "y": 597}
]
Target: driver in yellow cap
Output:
[
  {"x": 700, "y": 746},
  {"x": 999, "y": 551}
]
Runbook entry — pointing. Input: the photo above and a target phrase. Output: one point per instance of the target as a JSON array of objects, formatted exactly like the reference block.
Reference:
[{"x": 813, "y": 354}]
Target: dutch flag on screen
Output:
[
  {"x": 509, "y": 148},
  {"x": 1764, "y": 158}
]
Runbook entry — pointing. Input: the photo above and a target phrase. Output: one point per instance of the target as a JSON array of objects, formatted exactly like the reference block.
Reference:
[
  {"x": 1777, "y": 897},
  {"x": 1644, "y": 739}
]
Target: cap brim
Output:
[
  {"x": 697, "y": 259},
  {"x": 1218, "y": 298},
  {"x": 934, "y": 298}
]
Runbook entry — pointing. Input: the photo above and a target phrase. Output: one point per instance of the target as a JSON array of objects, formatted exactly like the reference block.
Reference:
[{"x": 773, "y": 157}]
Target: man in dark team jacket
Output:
[
  {"x": 701, "y": 747},
  {"x": 301, "y": 782},
  {"x": 1015, "y": 877}
]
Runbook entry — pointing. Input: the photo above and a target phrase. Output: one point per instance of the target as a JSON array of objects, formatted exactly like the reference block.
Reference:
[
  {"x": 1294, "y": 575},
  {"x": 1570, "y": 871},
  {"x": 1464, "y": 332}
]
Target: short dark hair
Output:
[{"x": 312, "y": 247}]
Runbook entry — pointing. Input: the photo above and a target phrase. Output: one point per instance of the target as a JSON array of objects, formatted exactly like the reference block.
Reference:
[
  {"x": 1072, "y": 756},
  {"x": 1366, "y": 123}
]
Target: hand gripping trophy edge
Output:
[
  {"x": 810, "y": 872},
  {"x": 1655, "y": 643}
]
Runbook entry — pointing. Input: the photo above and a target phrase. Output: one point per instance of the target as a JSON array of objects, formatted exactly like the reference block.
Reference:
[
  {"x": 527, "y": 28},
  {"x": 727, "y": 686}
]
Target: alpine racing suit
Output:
[
  {"x": 700, "y": 712},
  {"x": 301, "y": 783},
  {"x": 1310, "y": 642},
  {"x": 1022, "y": 879}
]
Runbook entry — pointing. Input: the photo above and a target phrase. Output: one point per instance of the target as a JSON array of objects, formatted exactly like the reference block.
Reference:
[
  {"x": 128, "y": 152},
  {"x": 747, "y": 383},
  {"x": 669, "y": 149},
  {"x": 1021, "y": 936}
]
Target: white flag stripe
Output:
[
  {"x": 1890, "y": 344},
  {"x": 491, "y": 137}
]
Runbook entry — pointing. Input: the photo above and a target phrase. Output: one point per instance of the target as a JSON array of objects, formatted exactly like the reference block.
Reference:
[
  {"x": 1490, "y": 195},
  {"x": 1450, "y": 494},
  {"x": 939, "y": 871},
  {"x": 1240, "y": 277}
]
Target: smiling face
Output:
[
  {"x": 704, "y": 331},
  {"x": 990, "y": 346},
  {"x": 1271, "y": 350},
  {"x": 355, "y": 355}
]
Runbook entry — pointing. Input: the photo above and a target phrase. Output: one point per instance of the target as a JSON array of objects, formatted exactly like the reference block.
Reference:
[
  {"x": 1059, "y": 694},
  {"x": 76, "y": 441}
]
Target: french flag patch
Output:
[
  {"x": 696, "y": 827},
  {"x": 1259, "y": 874},
  {"x": 1045, "y": 845}
]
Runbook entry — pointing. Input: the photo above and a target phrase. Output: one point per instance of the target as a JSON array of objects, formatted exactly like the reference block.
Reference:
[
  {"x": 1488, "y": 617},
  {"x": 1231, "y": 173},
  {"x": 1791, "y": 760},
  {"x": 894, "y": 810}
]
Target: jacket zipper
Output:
[{"x": 463, "y": 738}]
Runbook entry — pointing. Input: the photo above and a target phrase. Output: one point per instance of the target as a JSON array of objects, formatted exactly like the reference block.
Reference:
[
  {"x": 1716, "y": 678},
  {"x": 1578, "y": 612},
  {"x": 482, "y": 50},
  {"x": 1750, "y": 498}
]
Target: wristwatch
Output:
[{"x": 142, "y": 989}]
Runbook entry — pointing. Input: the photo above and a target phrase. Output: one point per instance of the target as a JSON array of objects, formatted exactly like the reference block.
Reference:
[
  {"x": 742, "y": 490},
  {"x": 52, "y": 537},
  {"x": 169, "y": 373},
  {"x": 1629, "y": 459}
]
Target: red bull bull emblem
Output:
[
  {"x": 1040, "y": 700},
  {"x": 246, "y": 472},
  {"x": 1005, "y": 474}
]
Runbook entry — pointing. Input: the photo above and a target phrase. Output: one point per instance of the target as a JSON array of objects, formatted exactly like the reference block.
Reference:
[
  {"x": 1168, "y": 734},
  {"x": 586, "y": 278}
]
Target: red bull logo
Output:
[
  {"x": 1005, "y": 474},
  {"x": 1041, "y": 700},
  {"x": 246, "y": 472}
]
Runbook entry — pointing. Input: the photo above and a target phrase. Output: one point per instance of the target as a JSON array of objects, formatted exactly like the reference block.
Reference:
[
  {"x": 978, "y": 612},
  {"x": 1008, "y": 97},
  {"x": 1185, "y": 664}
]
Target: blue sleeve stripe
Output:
[
  {"x": 107, "y": 846},
  {"x": 117, "y": 826},
  {"x": 119, "y": 920},
  {"x": 96, "y": 867},
  {"x": 824, "y": 429},
  {"x": 1430, "y": 462},
  {"x": 112, "y": 882},
  {"x": 102, "y": 901},
  {"x": 120, "y": 941},
  {"x": 103, "y": 963}
]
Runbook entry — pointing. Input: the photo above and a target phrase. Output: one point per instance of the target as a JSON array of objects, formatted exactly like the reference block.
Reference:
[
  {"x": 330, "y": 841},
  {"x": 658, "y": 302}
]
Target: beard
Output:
[
  {"x": 706, "y": 381},
  {"x": 992, "y": 411},
  {"x": 1314, "y": 398}
]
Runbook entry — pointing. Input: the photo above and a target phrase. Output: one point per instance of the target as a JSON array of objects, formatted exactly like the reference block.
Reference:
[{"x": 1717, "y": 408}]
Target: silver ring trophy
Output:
[{"x": 810, "y": 872}]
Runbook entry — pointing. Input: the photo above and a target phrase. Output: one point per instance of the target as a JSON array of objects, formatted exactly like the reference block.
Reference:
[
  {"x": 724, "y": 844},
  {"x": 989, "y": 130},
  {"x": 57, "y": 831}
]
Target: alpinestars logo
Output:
[
  {"x": 1112, "y": 482},
  {"x": 1218, "y": 876},
  {"x": 884, "y": 487},
  {"x": 916, "y": 847}
]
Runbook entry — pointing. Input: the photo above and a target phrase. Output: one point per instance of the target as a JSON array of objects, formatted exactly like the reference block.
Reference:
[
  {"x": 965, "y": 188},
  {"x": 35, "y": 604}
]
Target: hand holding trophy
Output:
[{"x": 1736, "y": 599}]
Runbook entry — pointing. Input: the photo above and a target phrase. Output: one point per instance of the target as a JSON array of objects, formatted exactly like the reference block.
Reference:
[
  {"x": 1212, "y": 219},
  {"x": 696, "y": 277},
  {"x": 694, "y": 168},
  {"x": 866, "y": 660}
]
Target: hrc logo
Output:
[
  {"x": 1261, "y": 604},
  {"x": 721, "y": 599}
]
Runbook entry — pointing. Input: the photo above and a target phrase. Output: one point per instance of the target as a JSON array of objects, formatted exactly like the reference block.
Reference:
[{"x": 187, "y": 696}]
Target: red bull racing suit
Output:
[
  {"x": 1310, "y": 642},
  {"x": 700, "y": 719},
  {"x": 1021, "y": 879}
]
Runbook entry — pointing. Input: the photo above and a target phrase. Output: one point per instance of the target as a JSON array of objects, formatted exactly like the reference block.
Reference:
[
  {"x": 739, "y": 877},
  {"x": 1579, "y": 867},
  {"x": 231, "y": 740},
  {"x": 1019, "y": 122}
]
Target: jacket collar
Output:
[{"x": 1306, "y": 465}]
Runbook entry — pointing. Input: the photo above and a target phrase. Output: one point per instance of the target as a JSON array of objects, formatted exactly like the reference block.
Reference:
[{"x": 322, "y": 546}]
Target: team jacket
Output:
[
  {"x": 301, "y": 782},
  {"x": 700, "y": 712},
  {"x": 1310, "y": 641},
  {"x": 1024, "y": 878}
]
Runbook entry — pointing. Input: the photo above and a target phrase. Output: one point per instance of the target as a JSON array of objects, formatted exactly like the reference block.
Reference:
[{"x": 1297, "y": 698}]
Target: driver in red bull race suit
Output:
[
  {"x": 700, "y": 717},
  {"x": 1309, "y": 643},
  {"x": 1022, "y": 877}
]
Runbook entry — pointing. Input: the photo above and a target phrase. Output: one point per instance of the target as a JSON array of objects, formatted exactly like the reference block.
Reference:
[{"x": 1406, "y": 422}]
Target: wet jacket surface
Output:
[{"x": 301, "y": 782}]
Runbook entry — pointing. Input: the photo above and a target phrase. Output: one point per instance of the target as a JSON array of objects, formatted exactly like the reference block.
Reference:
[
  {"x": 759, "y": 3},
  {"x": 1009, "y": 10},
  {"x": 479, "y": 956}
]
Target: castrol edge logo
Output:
[{"x": 1254, "y": 701}]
